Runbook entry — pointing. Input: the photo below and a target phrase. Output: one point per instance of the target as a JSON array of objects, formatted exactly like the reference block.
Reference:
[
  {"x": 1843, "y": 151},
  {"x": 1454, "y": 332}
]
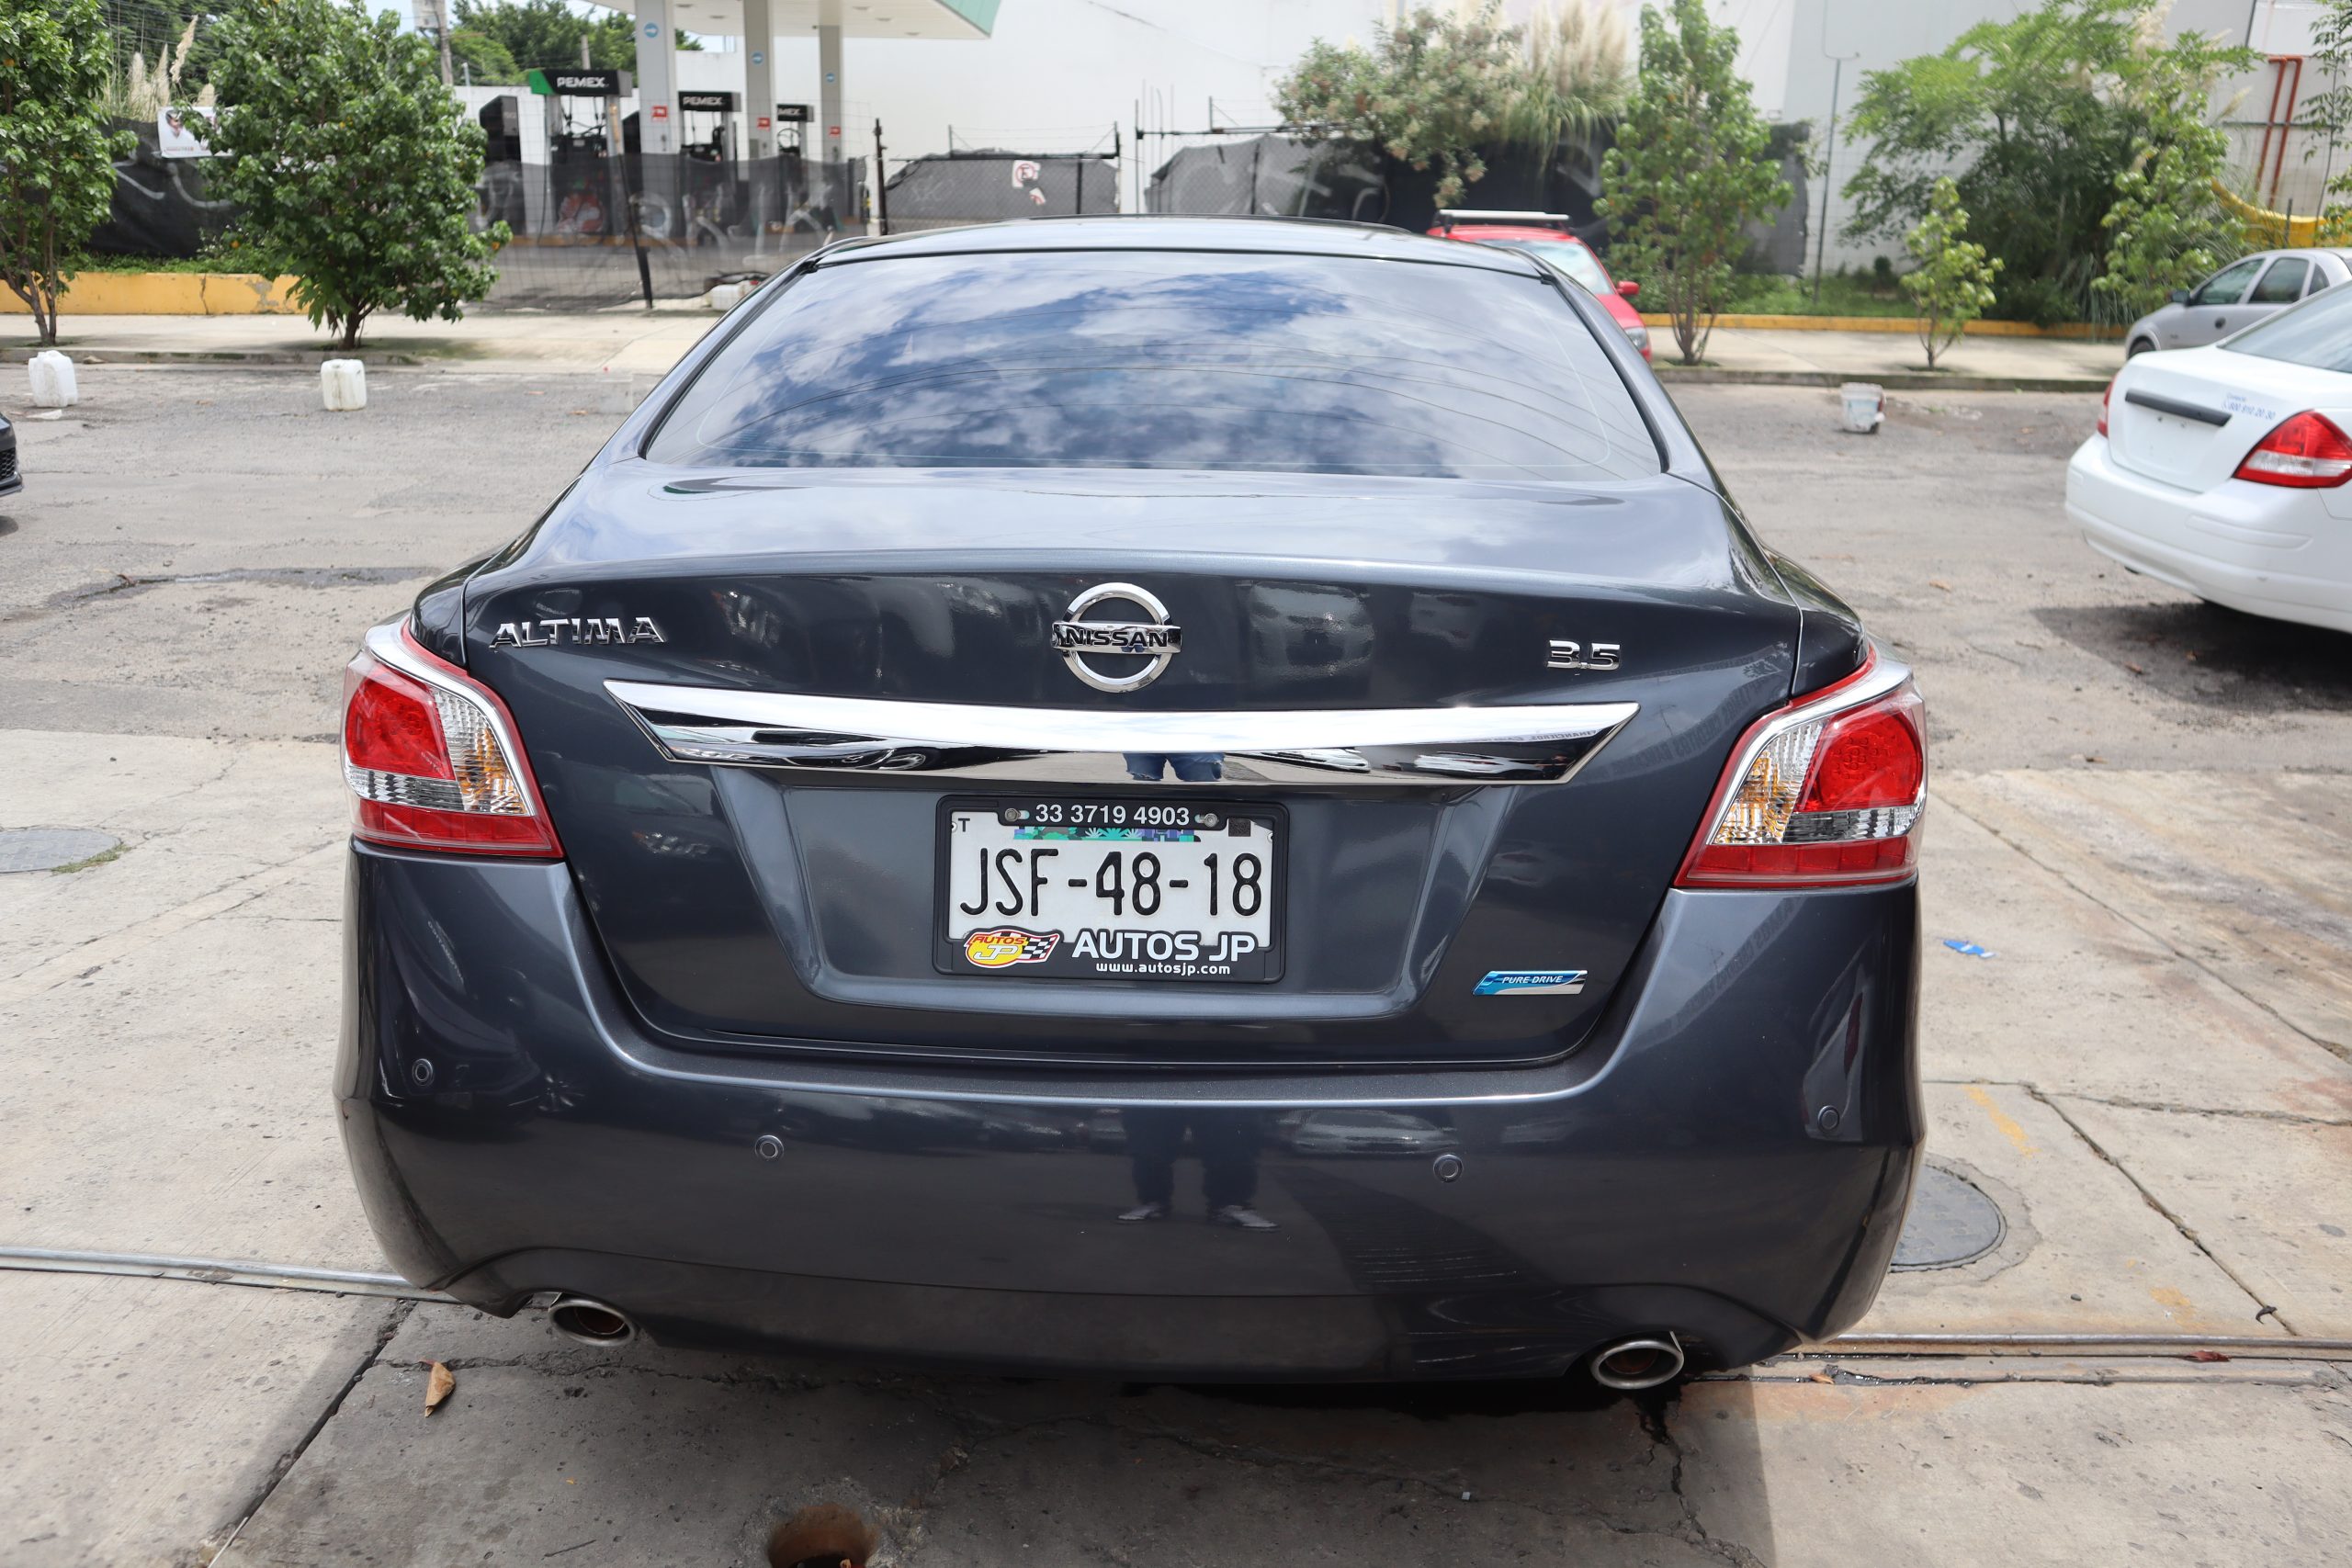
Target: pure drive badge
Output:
[{"x": 1531, "y": 982}]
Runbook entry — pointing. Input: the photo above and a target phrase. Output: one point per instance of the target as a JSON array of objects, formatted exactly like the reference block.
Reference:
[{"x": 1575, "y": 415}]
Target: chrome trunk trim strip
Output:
[{"x": 1415, "y": 748}]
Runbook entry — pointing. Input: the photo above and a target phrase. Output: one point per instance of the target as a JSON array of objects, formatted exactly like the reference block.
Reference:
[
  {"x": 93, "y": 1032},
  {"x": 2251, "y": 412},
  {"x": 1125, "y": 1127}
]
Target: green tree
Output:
[
  {"x": 1953, "y": 283},
  {"x": 56, "y": 151},
  {"x": 2168, "y": 227},
  {"x": 2035, "y": 119},
  {"x": 1431, "y": 91},
  {"x": 1691, "y": 168},
  {"x": 482, "y": 57},
  {"x": 543, "y": 33},
  {"x": 347, "y": 159}
]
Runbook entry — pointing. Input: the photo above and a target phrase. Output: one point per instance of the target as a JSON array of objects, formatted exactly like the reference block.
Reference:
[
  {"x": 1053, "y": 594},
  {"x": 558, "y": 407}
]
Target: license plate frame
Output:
[{"x": 1102, "y": 821}]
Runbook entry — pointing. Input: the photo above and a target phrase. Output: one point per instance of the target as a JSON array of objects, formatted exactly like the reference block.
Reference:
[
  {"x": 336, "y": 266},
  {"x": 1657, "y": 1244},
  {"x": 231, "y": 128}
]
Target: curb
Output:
[
  {"x": 256, "y": 358},
  {"x": 1893, "y": 381},
  {"x": 1742, "y": 320}
]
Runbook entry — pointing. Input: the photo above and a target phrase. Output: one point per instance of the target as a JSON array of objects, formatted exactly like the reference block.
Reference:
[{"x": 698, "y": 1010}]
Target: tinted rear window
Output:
[
  {"x": 2317, "y": 332},
  {"x": 1164, "y": 360}
]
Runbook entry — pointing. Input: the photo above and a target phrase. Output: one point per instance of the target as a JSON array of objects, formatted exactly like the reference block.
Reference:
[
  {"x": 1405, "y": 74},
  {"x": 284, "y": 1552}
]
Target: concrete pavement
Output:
[{"x": 2150, "y": 1079}]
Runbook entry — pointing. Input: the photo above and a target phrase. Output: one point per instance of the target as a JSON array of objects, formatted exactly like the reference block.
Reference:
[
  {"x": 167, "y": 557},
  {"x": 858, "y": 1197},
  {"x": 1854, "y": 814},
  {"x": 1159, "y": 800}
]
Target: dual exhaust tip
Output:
[
  {"x": 1628, "y": 1365},
  {"x": 1645, "y": 1361}
]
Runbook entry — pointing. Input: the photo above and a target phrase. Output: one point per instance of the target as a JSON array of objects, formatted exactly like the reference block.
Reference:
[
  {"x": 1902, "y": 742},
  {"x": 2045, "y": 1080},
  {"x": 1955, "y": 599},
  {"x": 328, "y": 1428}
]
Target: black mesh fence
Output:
[
  {"x": 1268, "y": 176},
  {"x": 160, "y": 207},
  {"x": 592, "y": 232},
  {"x": 947, "y": 189}
]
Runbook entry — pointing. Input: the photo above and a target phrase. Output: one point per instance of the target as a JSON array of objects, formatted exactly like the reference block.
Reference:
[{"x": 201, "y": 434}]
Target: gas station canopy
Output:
[{"x": 855, "y": 18}]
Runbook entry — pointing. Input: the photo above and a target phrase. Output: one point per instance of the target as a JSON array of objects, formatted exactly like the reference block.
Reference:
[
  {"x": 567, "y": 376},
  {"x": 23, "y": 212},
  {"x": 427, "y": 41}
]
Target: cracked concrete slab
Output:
[
  {"x": 2241, "y": 873},
  {"x": 205, "y": 825},
  {"x": 2082, "y": 1000},
  {"x": 637, "y": 1456},
  {"x": 2271, "y": 1201},
  {"x": 2008, "y": 1475},
  {"x": 2084, "y": 1252},
  {"x": 141, "y": 1418}
]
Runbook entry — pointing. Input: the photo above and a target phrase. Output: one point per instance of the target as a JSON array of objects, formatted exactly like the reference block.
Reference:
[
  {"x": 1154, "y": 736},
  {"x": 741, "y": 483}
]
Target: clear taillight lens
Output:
[
  {"x": 431, "y": 756},
  {"x": 2308, "y": 452},
  {"x": 1825, "y": 793}
]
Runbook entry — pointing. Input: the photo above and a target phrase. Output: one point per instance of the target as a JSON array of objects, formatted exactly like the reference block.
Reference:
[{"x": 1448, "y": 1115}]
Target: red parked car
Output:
[{"x": 1546, "y": 236}]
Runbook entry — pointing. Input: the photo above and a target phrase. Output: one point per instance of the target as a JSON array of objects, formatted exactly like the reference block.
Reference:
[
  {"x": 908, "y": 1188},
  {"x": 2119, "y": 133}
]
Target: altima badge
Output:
[
  {"x": 577, "y": 629},
  {"x": 1153, "y": 640}
]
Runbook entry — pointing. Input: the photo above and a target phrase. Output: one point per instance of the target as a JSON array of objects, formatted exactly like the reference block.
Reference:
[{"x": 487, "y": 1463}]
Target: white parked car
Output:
[{"x": 2224, "y": 471}]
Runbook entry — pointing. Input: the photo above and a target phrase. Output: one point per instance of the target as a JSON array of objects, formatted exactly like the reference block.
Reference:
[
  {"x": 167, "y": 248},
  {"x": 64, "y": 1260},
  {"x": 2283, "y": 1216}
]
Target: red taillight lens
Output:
[
  {"x": 2104, "y": 399},
  {"x": 2308, "y": 452},
  {"x": 1825, "y": 793},
  {"x": 432, "y": 758}
]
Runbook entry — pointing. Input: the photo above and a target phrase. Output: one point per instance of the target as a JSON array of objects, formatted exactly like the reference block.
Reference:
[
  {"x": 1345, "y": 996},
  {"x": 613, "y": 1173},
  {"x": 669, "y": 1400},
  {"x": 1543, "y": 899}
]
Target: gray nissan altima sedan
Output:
[{"x": 1192, "y": 798}]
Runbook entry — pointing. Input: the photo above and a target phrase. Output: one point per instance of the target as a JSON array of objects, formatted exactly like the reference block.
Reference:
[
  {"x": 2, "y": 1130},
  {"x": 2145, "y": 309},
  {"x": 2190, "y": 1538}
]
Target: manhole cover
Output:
[
  {"x": 46, "y": 849},
  {"x": 1951, "y": 1222}
]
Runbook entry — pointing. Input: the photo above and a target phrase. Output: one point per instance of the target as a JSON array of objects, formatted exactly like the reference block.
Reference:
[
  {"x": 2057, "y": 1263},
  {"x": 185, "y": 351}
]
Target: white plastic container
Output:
[
  {"x": 724, "y": 296},
  {"x": 342, "y": 383},
  {"x": 54, "y": 380},
  {"x": 1863, "y": 405}
]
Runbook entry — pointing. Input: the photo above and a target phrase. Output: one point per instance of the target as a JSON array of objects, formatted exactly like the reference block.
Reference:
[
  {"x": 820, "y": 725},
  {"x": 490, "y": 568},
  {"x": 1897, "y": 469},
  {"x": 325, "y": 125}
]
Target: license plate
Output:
[{"x": 1110, "y": 889}]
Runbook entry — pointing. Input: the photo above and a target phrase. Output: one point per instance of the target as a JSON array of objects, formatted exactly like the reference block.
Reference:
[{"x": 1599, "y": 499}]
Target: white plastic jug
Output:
[
  {"x": 1864, "y": 405},
  {"x": 724, "y": 296},
  {"x": 343, "y": 384},
  {"x": 54, "y": 380}
]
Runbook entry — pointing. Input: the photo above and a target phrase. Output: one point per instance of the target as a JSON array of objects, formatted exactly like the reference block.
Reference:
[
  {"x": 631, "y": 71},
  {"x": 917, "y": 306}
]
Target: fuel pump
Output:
[{"x": 712, "y": 178}]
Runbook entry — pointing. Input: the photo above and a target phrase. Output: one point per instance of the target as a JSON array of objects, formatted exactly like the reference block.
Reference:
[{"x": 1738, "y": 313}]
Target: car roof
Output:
[
  {"x": 1154, "y": 232},
  {"x": 1513, "y": 231}
]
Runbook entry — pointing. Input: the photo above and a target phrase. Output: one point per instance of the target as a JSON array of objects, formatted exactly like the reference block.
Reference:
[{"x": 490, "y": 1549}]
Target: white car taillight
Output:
[
  {"x": 2308, "y": 452},
  {"x": 1827, "y": 792},
  {"x": 433, "y": 757}
]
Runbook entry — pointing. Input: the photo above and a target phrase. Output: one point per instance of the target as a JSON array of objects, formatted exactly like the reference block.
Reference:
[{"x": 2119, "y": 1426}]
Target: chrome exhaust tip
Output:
[
  {"x": 590, "y": 1322},
  {"x": 1631, "y": 1365}
]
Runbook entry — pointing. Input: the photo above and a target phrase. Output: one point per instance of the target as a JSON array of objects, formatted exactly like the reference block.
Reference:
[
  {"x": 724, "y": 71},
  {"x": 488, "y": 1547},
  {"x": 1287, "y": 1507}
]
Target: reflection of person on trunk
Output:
[{"x": 1226, "y": 1142}]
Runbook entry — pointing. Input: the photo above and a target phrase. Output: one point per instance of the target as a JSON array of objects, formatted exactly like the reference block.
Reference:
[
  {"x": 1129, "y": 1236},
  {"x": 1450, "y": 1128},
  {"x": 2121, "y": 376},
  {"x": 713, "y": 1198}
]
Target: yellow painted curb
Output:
[
  {"x": 167, "y": 294},
  {"x": 1893, "y": 324}
]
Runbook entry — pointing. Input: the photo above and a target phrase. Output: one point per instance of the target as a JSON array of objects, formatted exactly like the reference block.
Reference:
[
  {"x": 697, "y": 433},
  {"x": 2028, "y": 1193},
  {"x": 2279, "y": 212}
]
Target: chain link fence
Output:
[{"x": 591, "y": 231}]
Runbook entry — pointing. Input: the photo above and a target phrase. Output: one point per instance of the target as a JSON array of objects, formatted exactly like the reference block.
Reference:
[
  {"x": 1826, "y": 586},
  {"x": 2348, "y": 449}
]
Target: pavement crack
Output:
[
  {"x": 2187, "y": 1233},
  {"x": 2127, "y": 1102},
  {"x": 2334, "y": 1047},
  {"x": 292, "y": 1456},
  {"x": 1654, "y": 1407}
]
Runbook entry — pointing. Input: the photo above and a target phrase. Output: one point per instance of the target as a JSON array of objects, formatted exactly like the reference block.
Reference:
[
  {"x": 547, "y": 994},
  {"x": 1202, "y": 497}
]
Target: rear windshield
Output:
[
  {"x": 1574, "y": 260},
  {"x": 2317, "y": 332},
  {"x": 1164, "y": 360}
]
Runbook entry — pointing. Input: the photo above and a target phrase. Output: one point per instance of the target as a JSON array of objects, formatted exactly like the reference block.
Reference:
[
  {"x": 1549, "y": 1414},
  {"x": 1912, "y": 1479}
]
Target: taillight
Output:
[
  {"x": 2308, "y": 452},
  {"x": 433, "y": 757},
  {"x": 2104, "y": 399},
  {"x": 1824, "y": 793}
]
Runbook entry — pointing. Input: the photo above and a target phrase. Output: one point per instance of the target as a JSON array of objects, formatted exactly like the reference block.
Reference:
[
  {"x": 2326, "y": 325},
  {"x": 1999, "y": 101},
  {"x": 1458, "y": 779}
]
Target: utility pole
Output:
[
  {"x": 881, "y": 182},
  {"x": 1828, "y": 151},
  {"x": 438, "y": 12}
]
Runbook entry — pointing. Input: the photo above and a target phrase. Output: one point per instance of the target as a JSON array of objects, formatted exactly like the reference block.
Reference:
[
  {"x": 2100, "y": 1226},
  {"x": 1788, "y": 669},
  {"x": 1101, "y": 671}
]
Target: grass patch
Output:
[
  {"x": 225, "y": 262},
  {"x": 1842, "y": 294},
  {"x": 99, "y": 859}
]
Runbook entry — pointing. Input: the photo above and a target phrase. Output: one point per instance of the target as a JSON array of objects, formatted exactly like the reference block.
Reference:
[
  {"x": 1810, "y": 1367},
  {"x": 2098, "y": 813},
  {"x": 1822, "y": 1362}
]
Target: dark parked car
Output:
[
  {"x": 11, "y": 481},
  {"x": 1029, "y": 724}
]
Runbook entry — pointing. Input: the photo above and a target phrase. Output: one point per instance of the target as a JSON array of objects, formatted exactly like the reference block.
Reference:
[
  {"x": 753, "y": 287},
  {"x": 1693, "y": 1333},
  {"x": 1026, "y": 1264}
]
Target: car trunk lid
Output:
[{"x": 770, "y": 904}]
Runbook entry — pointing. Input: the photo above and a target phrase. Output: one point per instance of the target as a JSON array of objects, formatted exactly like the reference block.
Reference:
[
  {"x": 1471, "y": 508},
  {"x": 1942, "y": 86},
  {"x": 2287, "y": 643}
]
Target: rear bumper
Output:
[
  {"x": 2263, "y": 549},
  {"x": 1730, "y": 1157}
]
